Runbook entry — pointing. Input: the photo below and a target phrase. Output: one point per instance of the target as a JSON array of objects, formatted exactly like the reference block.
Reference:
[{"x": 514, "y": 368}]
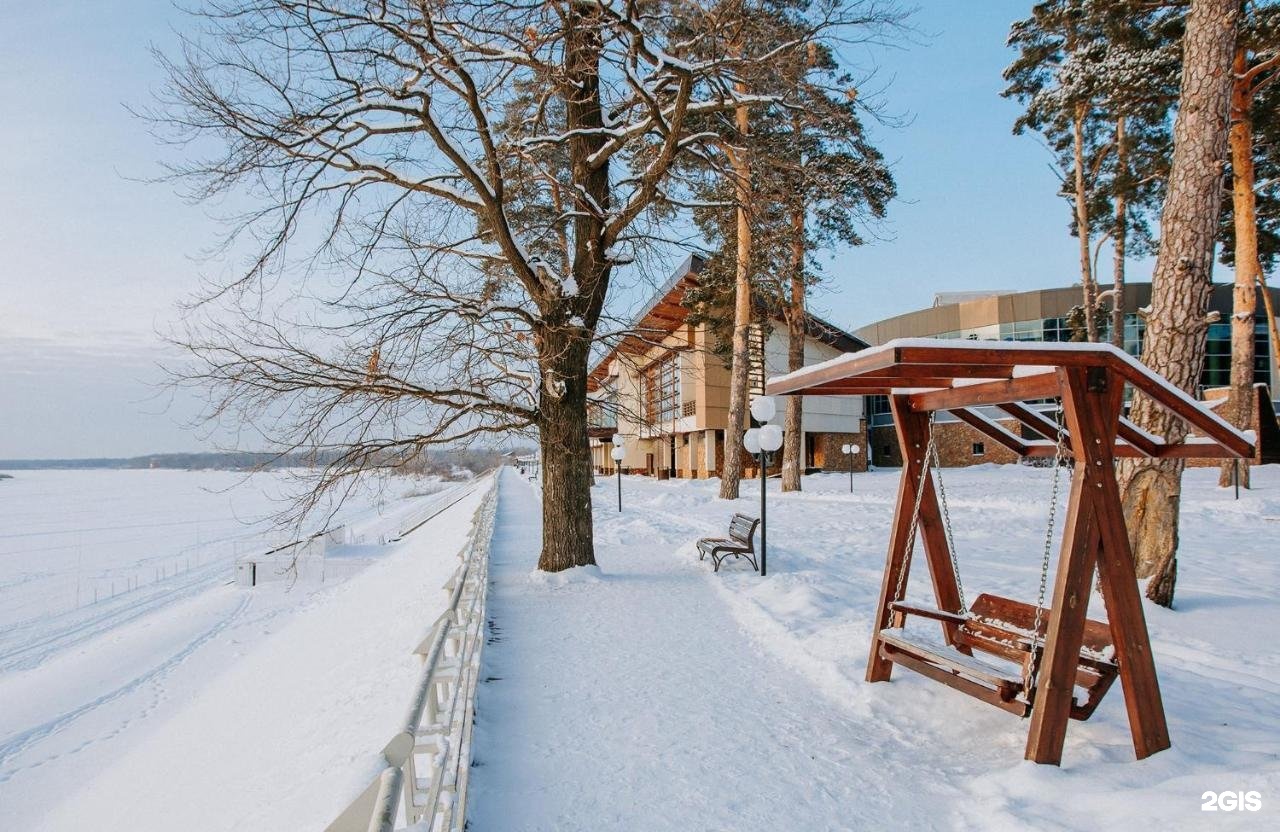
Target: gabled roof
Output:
[{"x": 665, "y": 312}]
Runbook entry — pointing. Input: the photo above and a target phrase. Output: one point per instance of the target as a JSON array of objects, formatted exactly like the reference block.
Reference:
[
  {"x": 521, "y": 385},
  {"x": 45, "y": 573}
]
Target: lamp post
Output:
[
  {"x": 849, "y": 450},
  {"x": 618, "y": 453},
  {"x": 761, "y": 441}
]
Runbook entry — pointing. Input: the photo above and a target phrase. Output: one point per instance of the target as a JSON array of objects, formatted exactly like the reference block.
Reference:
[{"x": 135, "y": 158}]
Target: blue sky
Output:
[{"x": 93, "y": 262}]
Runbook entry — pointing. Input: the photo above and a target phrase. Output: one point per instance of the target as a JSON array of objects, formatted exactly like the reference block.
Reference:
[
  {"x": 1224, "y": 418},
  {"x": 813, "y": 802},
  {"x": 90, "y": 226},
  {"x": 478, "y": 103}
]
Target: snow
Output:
[
  {"x": 191, "y": 698},
  {"x": 657, "y": 695}
]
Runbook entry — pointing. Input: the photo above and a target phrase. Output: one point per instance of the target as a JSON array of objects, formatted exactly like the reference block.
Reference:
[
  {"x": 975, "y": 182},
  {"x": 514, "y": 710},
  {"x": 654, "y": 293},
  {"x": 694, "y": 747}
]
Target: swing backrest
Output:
[{"x": 1008, "y": 614}]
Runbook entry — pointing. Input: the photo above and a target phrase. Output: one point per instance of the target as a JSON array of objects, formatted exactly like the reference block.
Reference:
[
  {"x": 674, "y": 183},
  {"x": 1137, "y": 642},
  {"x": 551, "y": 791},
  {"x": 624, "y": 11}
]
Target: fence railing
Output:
[{"x": 427, "y": 763}]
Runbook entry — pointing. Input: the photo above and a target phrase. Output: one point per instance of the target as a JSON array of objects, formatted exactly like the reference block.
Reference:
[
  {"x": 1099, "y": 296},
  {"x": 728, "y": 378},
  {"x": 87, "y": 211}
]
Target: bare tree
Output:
[
  {"x": 1182, "y": 283},
  {"x": 461, "y": 179}
]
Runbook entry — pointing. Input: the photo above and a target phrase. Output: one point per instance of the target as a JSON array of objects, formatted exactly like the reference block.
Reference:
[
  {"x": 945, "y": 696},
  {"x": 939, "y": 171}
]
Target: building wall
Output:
[
  {"x": 1001, "y": 316},
  {"x": 956, "y": 445},
  {"x": 704, "y": 383}
]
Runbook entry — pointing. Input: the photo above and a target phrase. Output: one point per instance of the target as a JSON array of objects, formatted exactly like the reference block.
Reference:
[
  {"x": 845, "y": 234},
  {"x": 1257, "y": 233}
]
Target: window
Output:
[
  {"x": 1217, "y": 355},
  {"x": 979, "y": 448},
  {"x": 602, "y": 412},
  {"x": 662, "y": 390}
]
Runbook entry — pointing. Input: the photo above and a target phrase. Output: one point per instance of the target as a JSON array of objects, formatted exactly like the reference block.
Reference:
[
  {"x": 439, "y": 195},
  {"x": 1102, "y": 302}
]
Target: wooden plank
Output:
[
  {"x": 1051, "y": 709},
  {"x": 1003, "y": 353},
  {"x": 876, "y": 385},
  {"x": 928, "y": 612},
  {"x": 890, "y": 653},
  {"x": 952, "y": 371},
  {"x": 1021, "y": 616},
  {"x": 990, "y": 429},
  {"x": 1039, "y": 386},
  {"x": 851, "y": 367}
]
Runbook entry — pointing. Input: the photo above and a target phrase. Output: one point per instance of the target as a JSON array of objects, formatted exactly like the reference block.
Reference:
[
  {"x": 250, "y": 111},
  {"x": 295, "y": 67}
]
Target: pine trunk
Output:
[
  {"x": 1121, "y": 237},
  {"x": 731, "y": 473},
  {"x": 1082, "y": 227},
  {"x": 1175, "y": 338},
  {"x": 1244, "y": 296},
  {"x": 793, "y": 425}
]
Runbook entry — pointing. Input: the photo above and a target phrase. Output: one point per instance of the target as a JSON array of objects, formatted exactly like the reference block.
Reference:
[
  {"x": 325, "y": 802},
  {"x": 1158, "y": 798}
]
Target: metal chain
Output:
[
  {"x": 946, "y": 526},
  {"x": 1059, "y": 456},
  {"x": 930, "y": 448}
]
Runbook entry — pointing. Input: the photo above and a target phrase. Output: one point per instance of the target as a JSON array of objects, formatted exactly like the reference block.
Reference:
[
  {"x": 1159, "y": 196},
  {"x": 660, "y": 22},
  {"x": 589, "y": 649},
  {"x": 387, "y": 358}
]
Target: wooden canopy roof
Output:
[{"x": 959, "y": 375}]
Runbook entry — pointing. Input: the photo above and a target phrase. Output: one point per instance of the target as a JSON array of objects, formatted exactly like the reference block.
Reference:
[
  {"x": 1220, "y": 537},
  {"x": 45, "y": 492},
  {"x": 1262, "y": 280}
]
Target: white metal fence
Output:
[{"x": 428, "y": 761}]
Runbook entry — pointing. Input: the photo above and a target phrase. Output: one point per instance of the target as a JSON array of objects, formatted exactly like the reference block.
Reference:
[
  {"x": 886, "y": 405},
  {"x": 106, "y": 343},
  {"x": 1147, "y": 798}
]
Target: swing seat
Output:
[{"x": 1000, "y": 627}]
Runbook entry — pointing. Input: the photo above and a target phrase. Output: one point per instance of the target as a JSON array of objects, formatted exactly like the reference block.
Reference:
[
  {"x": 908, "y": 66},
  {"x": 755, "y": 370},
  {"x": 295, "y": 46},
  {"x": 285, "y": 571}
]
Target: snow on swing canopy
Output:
[{"x": 957, "y": 376}]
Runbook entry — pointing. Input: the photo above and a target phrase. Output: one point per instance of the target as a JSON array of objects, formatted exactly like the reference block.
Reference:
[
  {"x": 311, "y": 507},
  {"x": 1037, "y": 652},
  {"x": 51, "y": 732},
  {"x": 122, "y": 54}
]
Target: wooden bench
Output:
[
  {"x": 740, "y": 543},
  {"x": 1003, "y": 628}
]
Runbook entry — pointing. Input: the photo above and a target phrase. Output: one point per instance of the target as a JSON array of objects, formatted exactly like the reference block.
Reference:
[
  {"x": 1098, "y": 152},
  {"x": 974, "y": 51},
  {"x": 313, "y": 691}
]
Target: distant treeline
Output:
[{"x": 441, "y": 462}]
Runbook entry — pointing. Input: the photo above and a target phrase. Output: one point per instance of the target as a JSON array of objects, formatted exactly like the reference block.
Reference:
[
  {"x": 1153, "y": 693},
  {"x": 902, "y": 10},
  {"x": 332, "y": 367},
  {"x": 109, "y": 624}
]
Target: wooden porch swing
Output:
[{"x": 1056, "y": 648}]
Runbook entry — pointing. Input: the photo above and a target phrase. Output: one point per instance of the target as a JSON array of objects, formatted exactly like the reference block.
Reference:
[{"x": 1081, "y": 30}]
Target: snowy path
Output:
[
  {"x": 655, "y": 695},
  {"x": 636, "y": 702}
]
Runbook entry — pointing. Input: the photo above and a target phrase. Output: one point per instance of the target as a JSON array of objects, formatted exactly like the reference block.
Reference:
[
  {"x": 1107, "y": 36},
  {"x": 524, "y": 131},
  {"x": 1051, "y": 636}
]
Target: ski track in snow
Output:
[{"x": 15, "y": 745}]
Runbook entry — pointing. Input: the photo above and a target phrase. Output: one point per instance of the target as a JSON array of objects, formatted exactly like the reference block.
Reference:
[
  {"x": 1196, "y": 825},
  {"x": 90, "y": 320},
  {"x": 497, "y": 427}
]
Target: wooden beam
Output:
[
  {"x": 1055, "y": 679},
  {"x": 990, "y": 429},
  {"x": 913, "y": 435},
  {"x": 1119, "y": 586},
  {"x": 1187, "y": 409},
  {"x": 1039, "y": 386},
  {"x": 1035, "y": 420},
  {"x": 1138, "y": 438}
]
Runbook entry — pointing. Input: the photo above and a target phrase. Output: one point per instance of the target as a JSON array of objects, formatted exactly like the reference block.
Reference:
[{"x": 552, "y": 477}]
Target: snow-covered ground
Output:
[
  {"x": 184, "y": 701},
  {"x": 653, "y": 695}
]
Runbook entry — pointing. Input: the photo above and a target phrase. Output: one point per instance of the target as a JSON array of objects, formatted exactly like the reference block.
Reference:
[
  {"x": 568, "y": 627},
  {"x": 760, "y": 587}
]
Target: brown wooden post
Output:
[
  {"x": 1129, "y": 635},
  {"x": 1090, "y": 400},
  {"x": 913, "y": 437}
]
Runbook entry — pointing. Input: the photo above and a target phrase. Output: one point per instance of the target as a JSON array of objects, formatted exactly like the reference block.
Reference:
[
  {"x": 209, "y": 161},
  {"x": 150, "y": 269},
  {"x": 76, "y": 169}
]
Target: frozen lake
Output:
[{"x": 118, "y": 608}]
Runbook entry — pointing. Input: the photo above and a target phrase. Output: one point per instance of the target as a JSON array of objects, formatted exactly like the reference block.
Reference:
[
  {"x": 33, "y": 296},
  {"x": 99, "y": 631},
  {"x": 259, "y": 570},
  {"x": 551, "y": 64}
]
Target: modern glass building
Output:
[{"x": 1041, "y": 315}]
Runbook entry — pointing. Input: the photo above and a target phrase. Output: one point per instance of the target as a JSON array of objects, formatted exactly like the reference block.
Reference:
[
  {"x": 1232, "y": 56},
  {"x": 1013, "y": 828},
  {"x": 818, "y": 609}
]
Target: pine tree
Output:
[
  {"x": 1181, "y": 284},
  {"x": 1055, "y": 77},
  {"x": 1097, "y": 80},
  {"x": 1255, "y": 65},
  {"x": 802, "y": 175}
]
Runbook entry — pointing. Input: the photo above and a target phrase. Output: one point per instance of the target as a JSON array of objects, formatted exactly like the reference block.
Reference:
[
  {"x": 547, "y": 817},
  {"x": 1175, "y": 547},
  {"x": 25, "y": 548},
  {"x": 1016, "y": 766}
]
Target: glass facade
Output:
[{"x": 662, "y": 391}]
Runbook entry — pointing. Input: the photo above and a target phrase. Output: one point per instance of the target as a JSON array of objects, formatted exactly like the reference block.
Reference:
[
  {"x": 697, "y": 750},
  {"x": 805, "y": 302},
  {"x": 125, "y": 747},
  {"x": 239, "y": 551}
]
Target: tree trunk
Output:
[
  {"x": 564, "y": 345},
  {"x": 1082, "y": 227},
  {"x": 562, "y": 425},
  {"x": 1175, "y": 339},
  {"x": 1272, "y": 327},
  {"x": 1244, "y": 296},
  {"x": 1121, "y": 236},
  {"x": 731, "y": 473},
  {"x": 793, "y": 426}
]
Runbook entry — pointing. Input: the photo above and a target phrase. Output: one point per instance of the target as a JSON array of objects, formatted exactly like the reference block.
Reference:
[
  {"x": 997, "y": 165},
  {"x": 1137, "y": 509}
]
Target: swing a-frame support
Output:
[{"x": 1063, "y": 650}]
